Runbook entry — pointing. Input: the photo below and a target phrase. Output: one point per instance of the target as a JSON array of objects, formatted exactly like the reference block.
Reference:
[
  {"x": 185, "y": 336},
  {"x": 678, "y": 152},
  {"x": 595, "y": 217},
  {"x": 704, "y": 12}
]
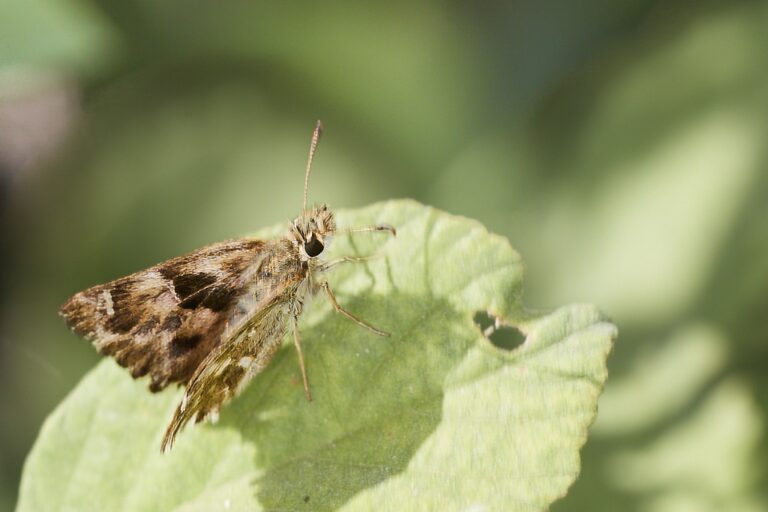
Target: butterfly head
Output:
[{"x": 311, "y": 231}]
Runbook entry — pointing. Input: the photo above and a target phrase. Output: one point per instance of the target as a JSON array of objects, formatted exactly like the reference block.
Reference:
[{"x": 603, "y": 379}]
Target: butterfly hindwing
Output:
[{"x": 246, "y": 349}]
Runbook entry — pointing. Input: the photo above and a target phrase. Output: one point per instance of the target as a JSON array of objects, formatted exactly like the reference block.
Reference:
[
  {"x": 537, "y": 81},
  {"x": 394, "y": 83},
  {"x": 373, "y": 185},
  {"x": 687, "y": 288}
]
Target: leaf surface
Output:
[{"x": 436, "y": 416}]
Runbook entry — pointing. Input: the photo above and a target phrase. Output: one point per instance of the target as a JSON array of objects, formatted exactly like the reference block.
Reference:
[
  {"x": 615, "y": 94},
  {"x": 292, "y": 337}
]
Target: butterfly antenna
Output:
[{"x": 312, "y": 148}]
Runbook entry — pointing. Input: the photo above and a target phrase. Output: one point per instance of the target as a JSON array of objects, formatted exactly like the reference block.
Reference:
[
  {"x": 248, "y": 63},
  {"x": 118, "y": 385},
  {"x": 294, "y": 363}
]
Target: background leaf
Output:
[{"x": 436, "y": 414}]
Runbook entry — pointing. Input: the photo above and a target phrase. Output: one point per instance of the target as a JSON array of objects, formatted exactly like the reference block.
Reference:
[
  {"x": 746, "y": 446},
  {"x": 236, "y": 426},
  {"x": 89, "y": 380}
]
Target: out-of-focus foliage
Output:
[{"x": 619, "y": 145}]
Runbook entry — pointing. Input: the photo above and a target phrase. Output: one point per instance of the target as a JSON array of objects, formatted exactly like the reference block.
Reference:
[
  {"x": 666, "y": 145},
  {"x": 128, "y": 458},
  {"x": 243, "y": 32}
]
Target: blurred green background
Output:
[{"x": 621, "y": 146}]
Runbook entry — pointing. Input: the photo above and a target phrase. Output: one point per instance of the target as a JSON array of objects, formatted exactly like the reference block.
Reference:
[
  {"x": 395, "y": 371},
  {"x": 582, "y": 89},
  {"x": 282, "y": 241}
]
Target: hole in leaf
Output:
[{"x": 502, "y": 336}]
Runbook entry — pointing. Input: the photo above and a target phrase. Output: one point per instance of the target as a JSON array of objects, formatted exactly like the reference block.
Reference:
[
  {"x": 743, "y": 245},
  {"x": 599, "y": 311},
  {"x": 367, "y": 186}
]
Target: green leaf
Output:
[{"x": 435, "y": 416}]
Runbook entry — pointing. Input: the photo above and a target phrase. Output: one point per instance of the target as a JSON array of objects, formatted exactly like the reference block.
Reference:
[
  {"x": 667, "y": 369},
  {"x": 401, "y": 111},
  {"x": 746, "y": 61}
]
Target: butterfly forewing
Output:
[{"x": 165, "y": 320}]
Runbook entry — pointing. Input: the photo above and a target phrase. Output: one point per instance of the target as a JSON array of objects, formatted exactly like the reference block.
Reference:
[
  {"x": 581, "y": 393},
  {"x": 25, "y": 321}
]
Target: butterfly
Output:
[{"x": 214, "y": 318}]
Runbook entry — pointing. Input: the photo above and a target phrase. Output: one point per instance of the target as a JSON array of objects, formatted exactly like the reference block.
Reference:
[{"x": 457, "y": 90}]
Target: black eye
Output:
[{"x": 314, "y": 247}]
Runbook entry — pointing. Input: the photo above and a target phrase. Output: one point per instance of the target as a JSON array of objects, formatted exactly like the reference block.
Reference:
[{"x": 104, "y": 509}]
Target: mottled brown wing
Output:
[
  {"x": 245, "y": 351},
  {"x": 165, "y": 320}
]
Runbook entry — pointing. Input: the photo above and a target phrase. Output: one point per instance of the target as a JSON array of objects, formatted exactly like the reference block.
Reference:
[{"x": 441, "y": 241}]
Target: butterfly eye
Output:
[{"x": 314, "y": 247}]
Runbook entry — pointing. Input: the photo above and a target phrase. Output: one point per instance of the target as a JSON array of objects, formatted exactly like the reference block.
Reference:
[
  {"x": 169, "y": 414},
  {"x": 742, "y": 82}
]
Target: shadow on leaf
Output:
[{"x": 375, "y": 401}]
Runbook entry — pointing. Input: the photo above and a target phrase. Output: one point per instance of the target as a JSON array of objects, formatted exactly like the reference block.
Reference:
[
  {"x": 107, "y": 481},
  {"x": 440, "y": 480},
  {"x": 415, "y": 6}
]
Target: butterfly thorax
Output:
[{"x": 284, "y": 273}]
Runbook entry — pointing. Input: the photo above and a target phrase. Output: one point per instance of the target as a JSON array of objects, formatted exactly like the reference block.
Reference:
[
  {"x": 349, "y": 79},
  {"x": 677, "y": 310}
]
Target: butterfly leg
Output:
[
  {"x": 297, "y": 342},
  {"x": 329, "y": 265},
  {"x": 325, "y": 286},
  {"x": 368, "y": 229}
]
